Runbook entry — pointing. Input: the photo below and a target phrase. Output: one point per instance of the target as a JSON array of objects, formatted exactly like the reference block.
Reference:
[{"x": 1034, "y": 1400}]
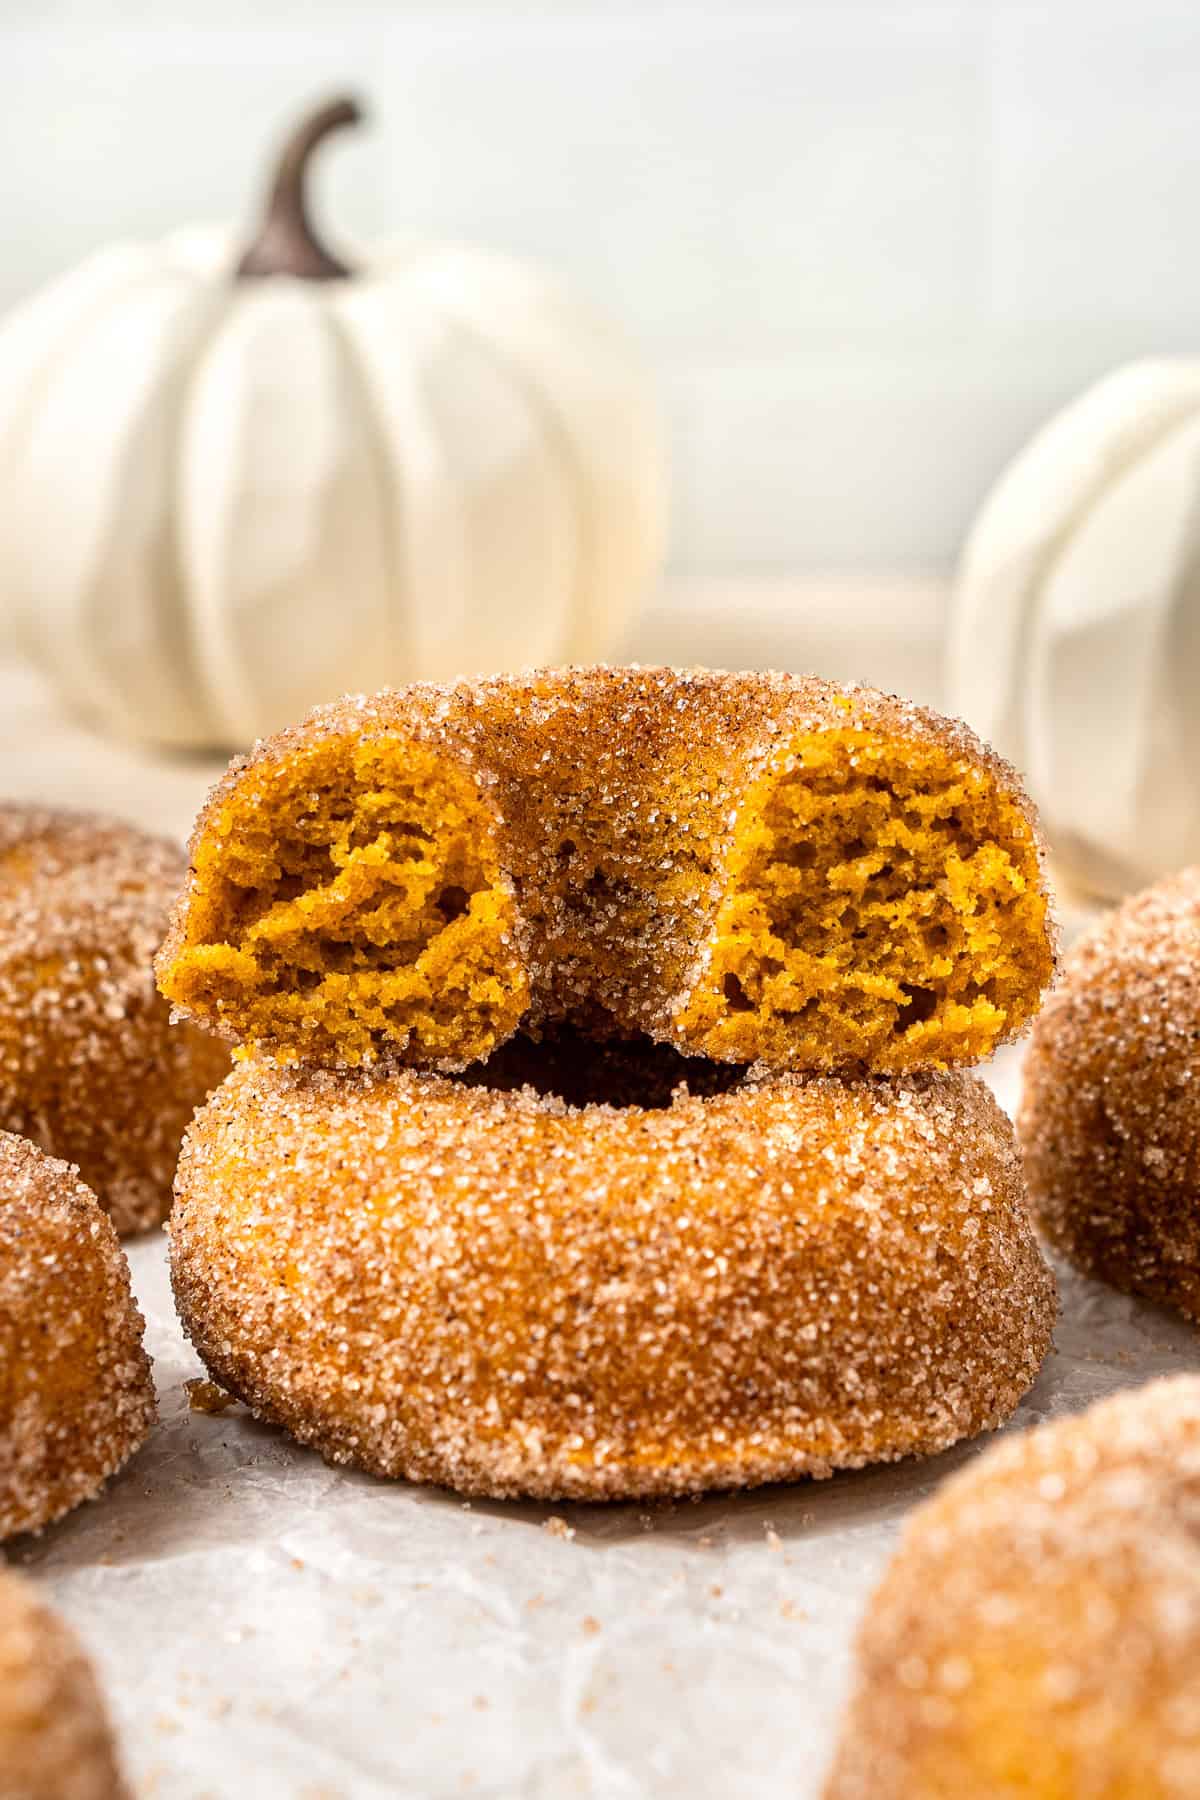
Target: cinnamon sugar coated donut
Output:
[
  {"x": 1110, "y": 1116},
  {"x": 1038, "y": 1632},
  {"x": 91, "y": 1067},
  {"x": 76, "y": 1399},
  {"x": 55, "y": 1739},
  {"x": 746, "y": 867},
  {"x": 501, "y": 1292}
]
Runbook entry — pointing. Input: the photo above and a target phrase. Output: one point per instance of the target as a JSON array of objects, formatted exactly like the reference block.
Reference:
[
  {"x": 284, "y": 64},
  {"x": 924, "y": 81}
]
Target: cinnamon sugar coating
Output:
[
  {"x": 76, "y": 1398},
  {"x": 1037, "y": 1634},
  {"x": 500, "y": 1292},
  {"x": 1110, "y": 1116},
  {"x": 91, "y": 1067},
  {"x": 55, "y": 1739},
  {"x": 746, "y": 867}
]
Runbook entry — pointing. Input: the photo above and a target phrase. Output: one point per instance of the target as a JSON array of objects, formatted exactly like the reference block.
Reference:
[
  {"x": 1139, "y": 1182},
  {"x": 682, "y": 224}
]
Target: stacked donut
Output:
[{"x": 600, "y": 1124}]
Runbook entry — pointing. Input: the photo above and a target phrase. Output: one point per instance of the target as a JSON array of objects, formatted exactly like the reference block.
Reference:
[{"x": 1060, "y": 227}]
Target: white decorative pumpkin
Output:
[
  {"x": 228, "y": 491},
  {"x": 1075, "y": 639}
]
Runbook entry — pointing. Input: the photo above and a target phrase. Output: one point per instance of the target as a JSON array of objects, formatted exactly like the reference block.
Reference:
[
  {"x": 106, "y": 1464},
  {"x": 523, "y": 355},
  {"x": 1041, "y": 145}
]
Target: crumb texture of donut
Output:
[
  {"x": 1110, "y": 1112},
  {"x": 882, "y": 908},
  {"x": 505, "y": 1293},
  {"x": 76, "y": 1396},
  {"x": 56, "y": 1742},
  {"x": 746, "y": 867},
  {"x": 350, "y": 900},
  {"x": 1037, "y": 1635},
  {"x": 91, "y": 1067}
]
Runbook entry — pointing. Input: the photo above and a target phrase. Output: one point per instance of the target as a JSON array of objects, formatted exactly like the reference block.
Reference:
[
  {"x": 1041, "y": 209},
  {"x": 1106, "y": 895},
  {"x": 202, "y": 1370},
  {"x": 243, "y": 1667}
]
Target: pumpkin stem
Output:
[{"x": 286, "y": 243}]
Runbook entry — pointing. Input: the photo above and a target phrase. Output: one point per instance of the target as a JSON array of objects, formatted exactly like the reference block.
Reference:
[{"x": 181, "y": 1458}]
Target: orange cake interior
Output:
[
  {"x": 351, "y": 901},
  {"x": 882, "y": 906}
]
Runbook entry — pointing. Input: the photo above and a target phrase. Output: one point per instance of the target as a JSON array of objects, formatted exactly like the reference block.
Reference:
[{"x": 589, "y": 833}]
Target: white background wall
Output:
[{"x": 867, "y": 244}]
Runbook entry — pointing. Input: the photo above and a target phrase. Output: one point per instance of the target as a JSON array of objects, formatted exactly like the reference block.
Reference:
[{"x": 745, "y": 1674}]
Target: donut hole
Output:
[
  {"x": 349, "y": 901},
  {"x": 580, "y": 1070},
  {"x": 568, "y": 1064},
  {"x": 882, "y": 908}
]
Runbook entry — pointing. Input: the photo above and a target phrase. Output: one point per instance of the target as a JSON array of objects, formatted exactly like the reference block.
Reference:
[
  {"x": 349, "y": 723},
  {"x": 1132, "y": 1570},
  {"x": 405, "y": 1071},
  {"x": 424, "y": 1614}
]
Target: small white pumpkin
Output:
[
  {"x": 230, "y": 490},
  {"x": 1075, "y": 636}
]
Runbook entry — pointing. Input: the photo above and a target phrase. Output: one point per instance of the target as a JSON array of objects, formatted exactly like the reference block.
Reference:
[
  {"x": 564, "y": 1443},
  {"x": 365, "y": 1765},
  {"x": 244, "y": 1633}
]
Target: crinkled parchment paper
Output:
[{"x": 270, "y": 1627}]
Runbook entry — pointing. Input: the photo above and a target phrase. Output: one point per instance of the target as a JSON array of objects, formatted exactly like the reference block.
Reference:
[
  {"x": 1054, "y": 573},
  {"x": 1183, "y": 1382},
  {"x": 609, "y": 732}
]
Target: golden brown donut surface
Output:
[
  {"x": 76, "y": 1399},
  {"x": 55, "y": 1739},
  {"x": 91, "y": 1067},
  {"x": 1037, "y": 1636},
  {"x": 746, "y": 867},
  {"x": 1110, "y": 1115},
  {"x": 509, "y": 1295}
]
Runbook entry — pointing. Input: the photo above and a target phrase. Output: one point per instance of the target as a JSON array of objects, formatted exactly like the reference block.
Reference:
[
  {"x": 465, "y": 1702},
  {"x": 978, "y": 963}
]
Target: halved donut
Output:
[{"x": 746, "y": 867}]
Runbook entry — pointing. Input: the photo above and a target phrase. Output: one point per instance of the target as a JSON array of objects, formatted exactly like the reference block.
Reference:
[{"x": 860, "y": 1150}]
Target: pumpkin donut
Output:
[
  {"x": 1038, "y": 1632},
  {"x": 492, "y": 1289},
  {"x": 91, "y": 1067},
  {"x": 56, "y": 1742},
  {"x": 744, "y": 867},
  {"x": 1110, "y": 1115},
  {"x": 76, "y": 1398}
]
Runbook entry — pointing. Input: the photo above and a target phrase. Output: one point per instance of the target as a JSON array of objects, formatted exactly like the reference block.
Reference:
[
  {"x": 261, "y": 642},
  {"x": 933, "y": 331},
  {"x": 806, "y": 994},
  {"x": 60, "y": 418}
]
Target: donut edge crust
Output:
[
  {"x": 1109, "y": 1119},
  {"x": 76, "y": 1394},
  {"x": 1037, "y": 1631},
  {"x": 91, "y": 1067}
]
